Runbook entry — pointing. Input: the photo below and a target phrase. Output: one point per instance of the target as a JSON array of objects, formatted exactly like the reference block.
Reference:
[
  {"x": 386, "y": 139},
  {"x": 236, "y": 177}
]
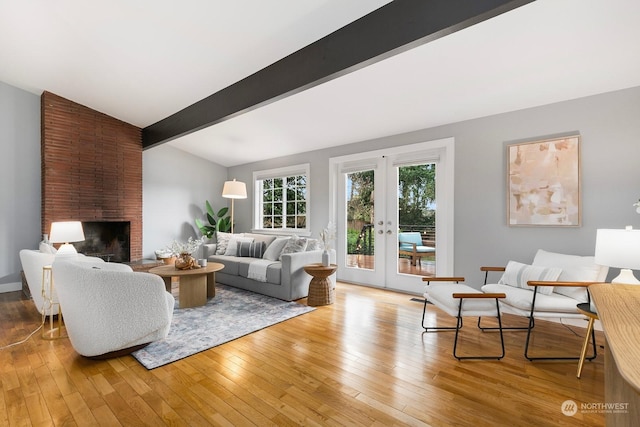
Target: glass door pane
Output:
[
  {"x": 360, "y": 235},
  {"x": 416, "y": 189}
]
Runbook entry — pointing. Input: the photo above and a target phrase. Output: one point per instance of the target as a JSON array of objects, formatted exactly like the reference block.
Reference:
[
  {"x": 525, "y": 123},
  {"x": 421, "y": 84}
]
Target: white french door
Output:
[{"x": 365, "y": 207}]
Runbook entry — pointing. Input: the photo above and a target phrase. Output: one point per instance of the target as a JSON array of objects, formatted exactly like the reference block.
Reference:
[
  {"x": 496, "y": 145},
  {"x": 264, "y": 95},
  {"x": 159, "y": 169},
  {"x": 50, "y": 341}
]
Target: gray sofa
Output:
[{"x": 285, "y": 275}]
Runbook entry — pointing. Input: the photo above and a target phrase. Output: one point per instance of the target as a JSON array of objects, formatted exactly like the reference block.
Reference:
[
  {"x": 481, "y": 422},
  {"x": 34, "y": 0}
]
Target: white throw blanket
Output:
[{"x": 258, "y": 269}]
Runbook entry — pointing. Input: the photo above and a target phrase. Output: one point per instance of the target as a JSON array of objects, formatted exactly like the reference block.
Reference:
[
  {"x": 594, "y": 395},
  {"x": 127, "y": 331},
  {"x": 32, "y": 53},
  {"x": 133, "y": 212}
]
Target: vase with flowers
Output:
[
  {"x": 327, "y": 235},
  {"x": 184, "y": 253}
]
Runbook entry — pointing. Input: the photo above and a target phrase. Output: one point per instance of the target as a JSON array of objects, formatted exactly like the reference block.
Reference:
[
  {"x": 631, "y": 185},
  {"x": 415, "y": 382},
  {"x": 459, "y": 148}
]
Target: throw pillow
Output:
[
  {"x": 517, "y": 275},
  {"x": 222, "y": 242},
  {"x": 314, "y": 245},
  {"x": 295, "y": 244},
  {"x": 232, "y": 247},
  {"x": 575, "y": 268},
  {"x": 251, "y": 249},
  {"x": 257, "y": 237},
  {"x": 273, "y": 251}
]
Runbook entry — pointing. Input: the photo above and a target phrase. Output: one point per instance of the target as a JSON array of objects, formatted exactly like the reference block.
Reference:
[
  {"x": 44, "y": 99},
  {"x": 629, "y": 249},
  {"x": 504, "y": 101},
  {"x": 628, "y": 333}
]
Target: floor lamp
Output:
[{"x": 234, "y": 190}]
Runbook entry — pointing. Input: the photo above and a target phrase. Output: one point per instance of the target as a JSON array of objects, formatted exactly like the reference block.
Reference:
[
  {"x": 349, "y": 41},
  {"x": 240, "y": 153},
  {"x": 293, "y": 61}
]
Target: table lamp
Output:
[
  {"x": 66, "y": 232},
  {"x": 620, "y": 249},
  {"x": 234, "y": 190}
]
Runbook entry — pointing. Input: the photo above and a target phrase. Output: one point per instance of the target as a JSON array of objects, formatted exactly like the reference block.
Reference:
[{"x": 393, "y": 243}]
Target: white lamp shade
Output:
[
  {"x": 66, "y": 232},
  {"x": 234, "y": 190},
  {"x": 621, "y": 249}
]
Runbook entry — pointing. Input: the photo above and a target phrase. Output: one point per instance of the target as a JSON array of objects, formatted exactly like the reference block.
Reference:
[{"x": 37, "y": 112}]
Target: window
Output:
[{"x": 282, "y": 199}]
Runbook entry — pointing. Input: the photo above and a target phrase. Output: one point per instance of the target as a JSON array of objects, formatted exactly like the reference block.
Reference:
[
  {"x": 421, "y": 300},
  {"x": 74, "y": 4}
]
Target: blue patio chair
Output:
[{"x": 410, "y": 244}]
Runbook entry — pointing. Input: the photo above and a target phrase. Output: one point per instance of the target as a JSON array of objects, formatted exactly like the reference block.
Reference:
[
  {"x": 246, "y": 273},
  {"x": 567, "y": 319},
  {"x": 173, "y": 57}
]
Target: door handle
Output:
[
  {"x": 380, "y": 231},
  {"x": 389, "y": 232}
]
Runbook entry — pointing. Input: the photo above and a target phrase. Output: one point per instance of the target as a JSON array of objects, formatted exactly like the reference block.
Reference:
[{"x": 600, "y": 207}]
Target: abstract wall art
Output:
[{"x": 544, "y": 182}]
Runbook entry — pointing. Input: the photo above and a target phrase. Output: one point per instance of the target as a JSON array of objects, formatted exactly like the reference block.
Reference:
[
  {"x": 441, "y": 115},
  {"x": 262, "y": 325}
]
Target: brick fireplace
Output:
[{"x": 91, "y": 168}]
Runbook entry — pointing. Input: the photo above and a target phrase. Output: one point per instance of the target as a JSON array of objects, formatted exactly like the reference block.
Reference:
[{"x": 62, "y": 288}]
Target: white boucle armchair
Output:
[
  {"x": 33, "y": 262},
  {"x": 108, "y": 309}
]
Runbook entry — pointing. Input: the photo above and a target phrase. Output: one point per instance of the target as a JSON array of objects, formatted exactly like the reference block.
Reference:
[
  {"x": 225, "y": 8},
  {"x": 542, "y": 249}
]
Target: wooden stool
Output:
[{"x": 321, "y": 290}]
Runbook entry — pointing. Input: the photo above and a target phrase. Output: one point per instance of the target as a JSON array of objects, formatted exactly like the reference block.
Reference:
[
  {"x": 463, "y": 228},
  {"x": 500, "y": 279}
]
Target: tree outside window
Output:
[{"x": 416, "y": 205}]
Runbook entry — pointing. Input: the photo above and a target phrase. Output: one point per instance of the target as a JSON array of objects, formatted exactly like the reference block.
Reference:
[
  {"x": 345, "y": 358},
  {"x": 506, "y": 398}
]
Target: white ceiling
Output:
[{"x": 141, "y": 61}]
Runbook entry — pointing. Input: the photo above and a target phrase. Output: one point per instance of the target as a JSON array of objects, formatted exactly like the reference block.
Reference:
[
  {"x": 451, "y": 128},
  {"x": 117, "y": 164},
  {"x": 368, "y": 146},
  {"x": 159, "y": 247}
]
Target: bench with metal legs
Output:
[{"x": 460, "y": 301}]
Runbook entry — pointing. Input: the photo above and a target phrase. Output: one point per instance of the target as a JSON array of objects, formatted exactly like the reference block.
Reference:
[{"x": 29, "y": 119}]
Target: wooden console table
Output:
[{"x": 619, "y": 311}]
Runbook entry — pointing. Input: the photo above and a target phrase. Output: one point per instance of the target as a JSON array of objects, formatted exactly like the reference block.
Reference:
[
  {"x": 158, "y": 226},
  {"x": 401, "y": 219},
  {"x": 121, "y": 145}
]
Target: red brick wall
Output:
[{"x": 91, "y": 167}]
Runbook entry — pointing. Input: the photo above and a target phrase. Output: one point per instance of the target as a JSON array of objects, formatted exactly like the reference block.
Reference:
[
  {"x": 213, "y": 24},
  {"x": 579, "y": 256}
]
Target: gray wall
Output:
[
  {"x": 176, "y": 184},
  {"x": 20, "y": 178},
  {"x": 610, "y": 150},
  {"x": 175, "y": 187}
]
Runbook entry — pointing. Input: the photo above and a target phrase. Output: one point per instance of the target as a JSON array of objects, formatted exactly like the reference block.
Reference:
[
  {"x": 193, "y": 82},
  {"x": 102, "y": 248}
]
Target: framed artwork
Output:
[{"x": 544, "y": 183}]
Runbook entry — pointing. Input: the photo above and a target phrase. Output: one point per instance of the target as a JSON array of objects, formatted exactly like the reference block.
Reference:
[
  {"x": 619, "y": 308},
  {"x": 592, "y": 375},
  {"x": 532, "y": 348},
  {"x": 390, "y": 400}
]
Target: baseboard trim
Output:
[{"x": 10, "y": 287}]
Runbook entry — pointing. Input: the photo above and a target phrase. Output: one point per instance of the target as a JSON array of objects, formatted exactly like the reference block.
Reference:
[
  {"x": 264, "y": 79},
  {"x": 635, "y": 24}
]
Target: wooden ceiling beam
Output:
[{"x": 394, "y": 28}]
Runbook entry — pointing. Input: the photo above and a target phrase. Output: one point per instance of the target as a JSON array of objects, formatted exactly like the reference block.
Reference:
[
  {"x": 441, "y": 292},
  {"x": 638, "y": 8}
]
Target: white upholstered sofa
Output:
[
  {"x": 559, "y": 300},
  {"x": 277, "y": 271},
  {"x": 529, "y": 293},
  {"x": 108, "y": 309}
]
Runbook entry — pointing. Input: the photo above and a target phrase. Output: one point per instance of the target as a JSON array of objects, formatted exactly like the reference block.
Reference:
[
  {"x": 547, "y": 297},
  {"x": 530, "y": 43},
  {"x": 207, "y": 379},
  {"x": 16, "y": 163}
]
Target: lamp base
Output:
[
  {"x": 67, "y": 249},
  {"x": 626, "y": 277}
]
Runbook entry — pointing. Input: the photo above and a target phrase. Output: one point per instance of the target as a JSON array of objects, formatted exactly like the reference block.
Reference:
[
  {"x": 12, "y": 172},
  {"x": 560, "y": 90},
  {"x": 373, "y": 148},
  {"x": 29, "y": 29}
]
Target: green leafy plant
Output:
[{"x": 217, "y": 221}]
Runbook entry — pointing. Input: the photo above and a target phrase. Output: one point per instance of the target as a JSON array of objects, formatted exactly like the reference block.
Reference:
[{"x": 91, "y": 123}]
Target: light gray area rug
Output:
[{"x": 231, "y": 314}]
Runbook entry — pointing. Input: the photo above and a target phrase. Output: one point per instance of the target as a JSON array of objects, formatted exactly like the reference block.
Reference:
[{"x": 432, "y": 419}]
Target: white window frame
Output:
[{"x": 258, "y": 176}]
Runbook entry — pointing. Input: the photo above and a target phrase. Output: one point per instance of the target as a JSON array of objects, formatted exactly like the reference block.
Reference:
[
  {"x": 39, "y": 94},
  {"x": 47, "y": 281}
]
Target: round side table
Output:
[{"x": 321, "y": 290}]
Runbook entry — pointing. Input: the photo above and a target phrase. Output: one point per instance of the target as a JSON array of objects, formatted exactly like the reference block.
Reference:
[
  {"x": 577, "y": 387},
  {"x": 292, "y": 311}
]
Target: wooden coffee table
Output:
[{"x": 196, "y": 285}]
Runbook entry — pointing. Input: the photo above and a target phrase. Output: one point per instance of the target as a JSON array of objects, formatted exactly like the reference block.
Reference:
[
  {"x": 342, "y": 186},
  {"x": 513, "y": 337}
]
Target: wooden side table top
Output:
[
  {"x": 319, "y": 270},
  {"x": 172, "y": 271}
]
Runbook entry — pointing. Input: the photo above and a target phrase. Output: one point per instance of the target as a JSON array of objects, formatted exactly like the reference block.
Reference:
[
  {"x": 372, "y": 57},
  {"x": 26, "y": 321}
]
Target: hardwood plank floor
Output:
[{"x": 361, "y": 361}]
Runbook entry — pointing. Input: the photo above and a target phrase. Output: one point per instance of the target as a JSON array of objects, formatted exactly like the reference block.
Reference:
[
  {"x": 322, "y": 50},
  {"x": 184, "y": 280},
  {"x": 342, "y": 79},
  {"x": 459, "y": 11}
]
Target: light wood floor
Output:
[{"x": 362, "y": 361}]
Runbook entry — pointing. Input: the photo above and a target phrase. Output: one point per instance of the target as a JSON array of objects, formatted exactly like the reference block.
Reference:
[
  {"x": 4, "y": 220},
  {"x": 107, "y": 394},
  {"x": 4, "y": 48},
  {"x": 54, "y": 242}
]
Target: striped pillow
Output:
[
  {"x": 517, "y": 275},
  {"x": 251, "y": 249}
]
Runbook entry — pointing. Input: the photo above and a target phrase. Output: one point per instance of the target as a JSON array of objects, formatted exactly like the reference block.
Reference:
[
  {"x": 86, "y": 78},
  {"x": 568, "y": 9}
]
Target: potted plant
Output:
[{"x": 217, "y": 222}]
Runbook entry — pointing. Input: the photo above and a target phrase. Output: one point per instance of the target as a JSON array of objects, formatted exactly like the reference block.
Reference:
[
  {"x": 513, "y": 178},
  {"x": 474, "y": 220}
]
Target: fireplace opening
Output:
[{"x": 109, "y": 240}]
